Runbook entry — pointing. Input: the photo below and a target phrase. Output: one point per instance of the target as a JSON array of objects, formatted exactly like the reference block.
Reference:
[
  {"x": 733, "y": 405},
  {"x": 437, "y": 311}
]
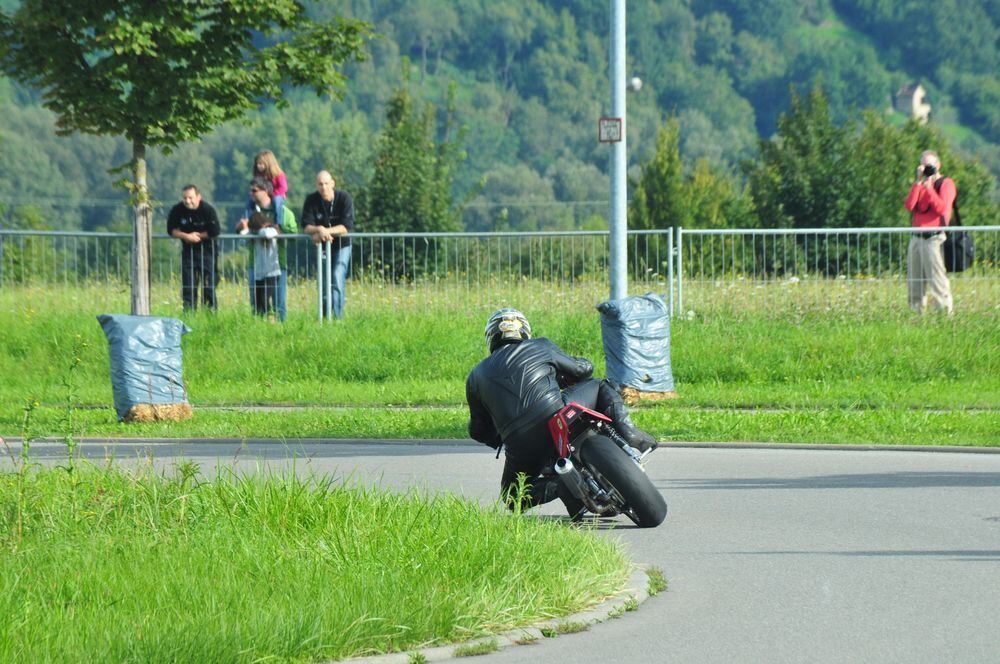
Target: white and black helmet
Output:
[{"x": 506, "y": 326}]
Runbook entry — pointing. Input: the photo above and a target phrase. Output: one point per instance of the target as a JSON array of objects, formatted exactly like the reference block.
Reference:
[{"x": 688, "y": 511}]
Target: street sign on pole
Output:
[{"x": 609, "y": 130}]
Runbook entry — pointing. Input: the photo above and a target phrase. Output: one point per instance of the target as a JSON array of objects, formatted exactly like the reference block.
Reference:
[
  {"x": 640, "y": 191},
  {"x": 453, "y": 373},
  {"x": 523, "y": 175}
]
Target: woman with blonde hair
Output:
[{"x": 265, "y": 165}]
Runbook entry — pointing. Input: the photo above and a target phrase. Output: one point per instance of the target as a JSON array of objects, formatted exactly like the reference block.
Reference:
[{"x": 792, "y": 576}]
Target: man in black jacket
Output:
[
  {"x": 514, "y": 392},
  {"x": 196, "y": 224},
  {"x": 328, "y": 217}
]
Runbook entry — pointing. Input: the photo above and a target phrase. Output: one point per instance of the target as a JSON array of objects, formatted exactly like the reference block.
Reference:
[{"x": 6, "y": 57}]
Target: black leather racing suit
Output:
[
  {"x": 513, "y": 393},
  {"x": 517, "y": 387}
]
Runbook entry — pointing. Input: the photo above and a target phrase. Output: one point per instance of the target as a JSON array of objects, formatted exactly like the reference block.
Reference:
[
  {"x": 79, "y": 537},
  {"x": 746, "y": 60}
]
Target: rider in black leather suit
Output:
[{"x": 514, "y": 392}]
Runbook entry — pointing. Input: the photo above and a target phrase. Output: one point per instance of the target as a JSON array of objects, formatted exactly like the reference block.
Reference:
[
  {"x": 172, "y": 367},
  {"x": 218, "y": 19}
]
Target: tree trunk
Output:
[
  {"x": 423, "y": 61},
  {"x": 141, "y": 232}
]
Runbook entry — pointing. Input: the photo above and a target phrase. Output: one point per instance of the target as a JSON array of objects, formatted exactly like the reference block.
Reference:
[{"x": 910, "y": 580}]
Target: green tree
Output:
[
  {"x": 796, "y": 180},
  {"x": 714, "y": 45},
  {"x": 426, "y": 24},
  {"x": 411, "y": 189},
  {"x": 517, "y": 198},
  {"x": 768, "y": 18},
  {"x": 981, "y": 108},
  {"x": 816, "y": 174},
  {"x": 667, "y": 196},
  {"x": 161, "y": 73},
  {"x": 656, "y": 202},
  {"x": 852, "y": 76}
]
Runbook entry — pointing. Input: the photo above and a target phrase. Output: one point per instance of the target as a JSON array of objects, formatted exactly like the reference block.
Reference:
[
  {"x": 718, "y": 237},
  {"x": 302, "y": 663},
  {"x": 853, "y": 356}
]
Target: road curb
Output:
[{"x": 635, "y": 592}]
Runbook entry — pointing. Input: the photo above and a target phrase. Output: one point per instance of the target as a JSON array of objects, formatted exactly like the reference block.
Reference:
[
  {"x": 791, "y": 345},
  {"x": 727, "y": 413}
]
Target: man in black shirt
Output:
[
  {"x": 328, "y": 216},
  {"x": 195, "y": 223}
]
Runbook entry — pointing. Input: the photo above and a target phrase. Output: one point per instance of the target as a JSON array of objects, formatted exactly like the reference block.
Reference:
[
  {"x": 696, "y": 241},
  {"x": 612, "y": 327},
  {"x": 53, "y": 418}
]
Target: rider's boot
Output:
[
  {"x": 611, "y": 404},
  {"x": 627, "y": 429}
]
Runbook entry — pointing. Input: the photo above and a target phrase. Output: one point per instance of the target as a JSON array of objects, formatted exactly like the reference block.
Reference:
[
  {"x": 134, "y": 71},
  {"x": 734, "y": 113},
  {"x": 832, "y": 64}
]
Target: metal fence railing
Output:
[
  {"x": 478, "y": 214},
  {"x": 818, "y": 269},
  {"x": 390, "y": 269},
  {"x": 695, "y": 270}
]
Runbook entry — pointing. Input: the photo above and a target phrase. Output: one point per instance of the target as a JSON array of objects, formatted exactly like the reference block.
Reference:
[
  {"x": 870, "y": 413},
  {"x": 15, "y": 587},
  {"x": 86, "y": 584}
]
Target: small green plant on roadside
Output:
[
  {"x": 21, "y": 466},
  {"x": 480, "y": 648},
  {"x": 28, "y": 430},
  {"x": 616, "y": 612},
  {"x": 549, "y": 632},
  {"x": 631, "y": 604},
  {"x": 527, "y": 640},
  {"x": 417, "y": 658},
  {"x": 186, "y": 470},
  {"x": 657, "y": 581},
  {"x": 518, "y": 495},
  {"x": 71, "y": 384},
  {"x": 571, "y": 627}
]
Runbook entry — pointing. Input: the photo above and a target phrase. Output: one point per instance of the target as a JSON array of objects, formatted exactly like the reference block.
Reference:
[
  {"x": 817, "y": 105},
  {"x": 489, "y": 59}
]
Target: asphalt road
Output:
[{"x": 772, "y": 555}]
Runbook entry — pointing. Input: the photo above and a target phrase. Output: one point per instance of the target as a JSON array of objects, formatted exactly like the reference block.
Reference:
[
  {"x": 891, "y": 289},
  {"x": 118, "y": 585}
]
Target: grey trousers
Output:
[{"x": 926, "y": 278}]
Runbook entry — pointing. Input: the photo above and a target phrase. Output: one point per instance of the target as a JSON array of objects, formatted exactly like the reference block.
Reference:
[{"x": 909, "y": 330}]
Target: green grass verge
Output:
[
  {"x": 666, "y": 421},
  {"x": 854, "y": 376},
  {"x": 101, "y": 564}
]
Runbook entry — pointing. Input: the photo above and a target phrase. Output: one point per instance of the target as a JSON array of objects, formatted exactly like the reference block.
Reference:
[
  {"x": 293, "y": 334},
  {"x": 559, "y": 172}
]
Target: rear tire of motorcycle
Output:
[{"x": 627, "y": 478}]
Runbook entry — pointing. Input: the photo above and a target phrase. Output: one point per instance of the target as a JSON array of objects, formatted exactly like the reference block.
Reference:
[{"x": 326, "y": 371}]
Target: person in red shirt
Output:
[{"x": 930, "y": 200}]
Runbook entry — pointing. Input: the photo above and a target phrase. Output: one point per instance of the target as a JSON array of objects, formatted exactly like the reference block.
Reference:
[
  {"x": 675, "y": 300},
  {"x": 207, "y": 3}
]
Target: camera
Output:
[{"x": 929, "y": 170}]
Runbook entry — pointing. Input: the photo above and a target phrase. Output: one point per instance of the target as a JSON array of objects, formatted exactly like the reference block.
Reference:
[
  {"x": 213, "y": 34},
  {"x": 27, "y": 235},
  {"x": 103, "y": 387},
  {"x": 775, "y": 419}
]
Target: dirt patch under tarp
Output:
[
  {"x": 634, "y": 397},
  {"x": 169, "y": 412}
]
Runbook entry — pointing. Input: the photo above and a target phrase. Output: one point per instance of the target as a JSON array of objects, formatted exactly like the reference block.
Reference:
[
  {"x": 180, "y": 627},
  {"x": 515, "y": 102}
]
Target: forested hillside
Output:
[{"x": 528, "y": 80}]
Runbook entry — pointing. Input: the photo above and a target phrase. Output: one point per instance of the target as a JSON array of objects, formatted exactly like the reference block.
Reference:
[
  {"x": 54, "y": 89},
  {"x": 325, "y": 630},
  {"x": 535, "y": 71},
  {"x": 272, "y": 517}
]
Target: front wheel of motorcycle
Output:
[{"x": 644, "y": 504}]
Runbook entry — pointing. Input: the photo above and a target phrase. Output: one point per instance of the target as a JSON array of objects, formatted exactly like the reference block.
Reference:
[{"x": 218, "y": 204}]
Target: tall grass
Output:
[
  {"x": 418, "y": 353},
  {"x": 421, "y": 354},
  {"x": 112, "y": 565}
]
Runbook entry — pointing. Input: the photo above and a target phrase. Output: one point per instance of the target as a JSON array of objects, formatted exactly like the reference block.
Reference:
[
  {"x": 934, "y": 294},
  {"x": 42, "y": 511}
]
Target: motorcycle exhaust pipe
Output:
[{"x": 571, "y": 477}]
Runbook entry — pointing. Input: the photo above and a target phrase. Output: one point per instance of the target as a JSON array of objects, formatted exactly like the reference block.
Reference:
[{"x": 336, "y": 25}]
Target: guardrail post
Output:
[
  {"x": 324, "y": 281},
  {"x": 328, "y": 278},
  {"x": 670, "y": 270},
  {"x": 319, "y": 282},
  {"x": 680, "y": 270}
]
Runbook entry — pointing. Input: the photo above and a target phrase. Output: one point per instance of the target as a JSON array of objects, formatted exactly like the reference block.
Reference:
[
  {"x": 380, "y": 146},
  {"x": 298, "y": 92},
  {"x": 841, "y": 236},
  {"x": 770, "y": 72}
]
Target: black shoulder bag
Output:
[{"x": 958, "y": 248}]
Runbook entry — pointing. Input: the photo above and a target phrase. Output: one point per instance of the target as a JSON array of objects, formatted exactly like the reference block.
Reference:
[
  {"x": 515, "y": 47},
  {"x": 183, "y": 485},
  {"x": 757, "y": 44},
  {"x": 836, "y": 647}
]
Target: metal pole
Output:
[
  {"x": 670, "y": 268},
  {"x": 619, "y": 212},
  {"x": 319, "y": 282},
  {"x": 680, "y": 270},
  {"x": 328, "y": 253}
]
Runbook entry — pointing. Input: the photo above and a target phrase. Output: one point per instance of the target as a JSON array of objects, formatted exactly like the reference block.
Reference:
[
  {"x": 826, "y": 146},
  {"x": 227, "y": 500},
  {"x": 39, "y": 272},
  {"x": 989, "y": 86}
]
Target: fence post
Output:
[
  {"x": 680, "y": 270},
  {"x": 319, "y": 282},
  {"x": 670, "y": 269},
  {"x": 327, "y": 251}
]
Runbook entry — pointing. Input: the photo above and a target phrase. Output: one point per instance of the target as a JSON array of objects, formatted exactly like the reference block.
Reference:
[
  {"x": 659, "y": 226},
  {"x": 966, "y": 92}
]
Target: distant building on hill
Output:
[{"x": 911, "y": 101}]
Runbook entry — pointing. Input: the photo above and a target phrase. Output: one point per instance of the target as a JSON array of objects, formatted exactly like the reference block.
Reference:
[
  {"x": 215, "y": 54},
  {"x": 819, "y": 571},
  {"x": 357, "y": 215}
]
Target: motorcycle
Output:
[{"x": 601, "y": 470}]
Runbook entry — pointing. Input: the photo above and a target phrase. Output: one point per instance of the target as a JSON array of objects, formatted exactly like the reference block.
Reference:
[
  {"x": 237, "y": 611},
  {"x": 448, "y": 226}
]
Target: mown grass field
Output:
[
  {"x": 395, "y": 367},
  {"x": 103, "y": 564}
]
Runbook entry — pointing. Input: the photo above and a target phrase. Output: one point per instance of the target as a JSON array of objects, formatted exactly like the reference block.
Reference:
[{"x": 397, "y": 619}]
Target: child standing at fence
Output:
[
  {"x": 266, "y": 265},
  {"x": 265, "y": 165}
]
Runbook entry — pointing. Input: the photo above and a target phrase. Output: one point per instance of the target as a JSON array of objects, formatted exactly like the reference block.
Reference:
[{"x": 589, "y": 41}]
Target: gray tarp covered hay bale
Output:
[
  {"x": 636, "y": 334},
  {"x": 146, "y": 374}
]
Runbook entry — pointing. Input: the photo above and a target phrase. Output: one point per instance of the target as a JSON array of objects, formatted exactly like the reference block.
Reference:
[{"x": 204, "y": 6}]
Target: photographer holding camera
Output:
[{"x": 930, "y": 200}]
